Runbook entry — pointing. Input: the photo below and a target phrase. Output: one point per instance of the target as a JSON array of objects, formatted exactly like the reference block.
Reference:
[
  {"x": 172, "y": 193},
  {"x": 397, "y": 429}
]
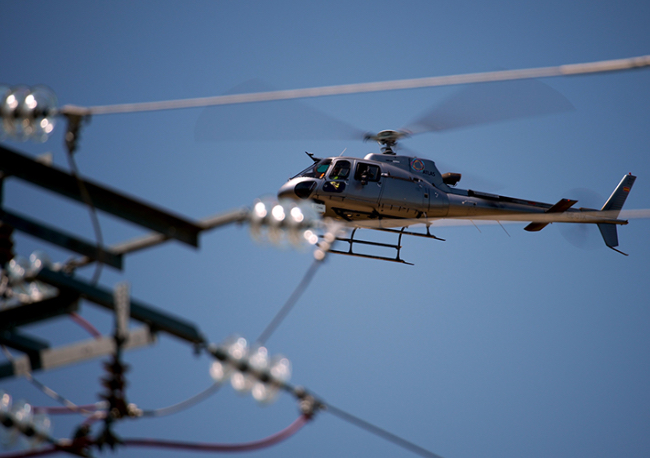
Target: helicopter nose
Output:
[{"x": 293, "y": 190}]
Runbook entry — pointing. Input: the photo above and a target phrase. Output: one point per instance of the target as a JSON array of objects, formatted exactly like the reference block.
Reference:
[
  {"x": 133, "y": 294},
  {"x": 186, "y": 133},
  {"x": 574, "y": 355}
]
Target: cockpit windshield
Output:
[{"x": 317, "y": 170}]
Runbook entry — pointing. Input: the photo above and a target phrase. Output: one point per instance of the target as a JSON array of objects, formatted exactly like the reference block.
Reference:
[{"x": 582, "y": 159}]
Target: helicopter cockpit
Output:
[
  {"x": 337, "y": 174},
  {"x": 317, "y": 170}
]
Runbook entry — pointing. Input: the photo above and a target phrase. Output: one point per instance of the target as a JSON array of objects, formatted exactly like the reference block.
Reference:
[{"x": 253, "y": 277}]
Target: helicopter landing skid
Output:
[
  {"x": 398, "y": 246},
  {"x": 428, "y": 235}
]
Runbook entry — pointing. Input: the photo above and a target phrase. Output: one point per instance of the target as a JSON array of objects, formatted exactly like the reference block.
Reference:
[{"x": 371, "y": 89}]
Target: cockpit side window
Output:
[
  {"x": 317, "y": 170},
  {"x": 340, "y": 171},
  {"x": 367, "y": 172}
]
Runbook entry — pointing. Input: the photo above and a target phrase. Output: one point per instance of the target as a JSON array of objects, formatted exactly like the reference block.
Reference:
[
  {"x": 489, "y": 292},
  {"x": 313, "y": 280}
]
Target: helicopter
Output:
[
  {"x": 386, "y": 190},
  {"x": 390, "y": 192}
]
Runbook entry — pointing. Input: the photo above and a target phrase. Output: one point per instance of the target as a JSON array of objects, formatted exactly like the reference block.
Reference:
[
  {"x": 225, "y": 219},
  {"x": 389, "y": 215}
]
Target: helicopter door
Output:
[
  {"x": 338, "y": 179},
  {"x": 367, "y": 183}
]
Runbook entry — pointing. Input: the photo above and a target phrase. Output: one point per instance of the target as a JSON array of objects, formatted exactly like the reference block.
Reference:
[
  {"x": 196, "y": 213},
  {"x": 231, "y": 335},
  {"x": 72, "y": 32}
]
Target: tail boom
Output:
[{"x": 606, "y": 218}]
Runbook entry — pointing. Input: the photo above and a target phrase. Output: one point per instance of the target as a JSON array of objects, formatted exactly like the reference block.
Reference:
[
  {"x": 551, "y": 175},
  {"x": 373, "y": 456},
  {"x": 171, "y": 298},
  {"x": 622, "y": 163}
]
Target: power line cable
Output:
[
  {"x": 415, "y": 83},
  {"x": 310, "y": 404},
  {"x": 376, "y": 430},
  {"x": 286, "y": 308},
  {"x": 58, "y": 397},
  {"x": 99, "y": 238},
  {"x": 69, "y": 406},
  {"x": 186, "y": 404},
  {"x": 62, "y": 410},
  {"x": 47, "y": 390}
]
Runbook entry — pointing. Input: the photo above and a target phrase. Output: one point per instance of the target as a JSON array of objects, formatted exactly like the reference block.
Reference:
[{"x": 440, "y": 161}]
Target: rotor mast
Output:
[{"x": 387, "y": 139}]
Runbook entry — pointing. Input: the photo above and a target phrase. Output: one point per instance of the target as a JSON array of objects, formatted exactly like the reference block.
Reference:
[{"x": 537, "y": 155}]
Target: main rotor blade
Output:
[
  {"x": 283, "y": 120},
  {"x": 541, "y": 72},
  {"x": 492, "y": 102}
]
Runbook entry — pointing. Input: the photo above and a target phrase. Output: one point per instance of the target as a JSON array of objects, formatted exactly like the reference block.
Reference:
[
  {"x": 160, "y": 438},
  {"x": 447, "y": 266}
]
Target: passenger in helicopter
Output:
[{"x": 366, "y": 173}]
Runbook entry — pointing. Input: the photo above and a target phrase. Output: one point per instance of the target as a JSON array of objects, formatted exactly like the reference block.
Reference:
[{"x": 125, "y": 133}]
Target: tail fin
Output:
[{"x": 614, "y": 205}]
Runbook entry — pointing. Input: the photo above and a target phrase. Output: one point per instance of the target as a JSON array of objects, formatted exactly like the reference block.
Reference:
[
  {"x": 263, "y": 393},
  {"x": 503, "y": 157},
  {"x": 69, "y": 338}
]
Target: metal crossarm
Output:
[
  {"x": 14, "y": 317},
  {"x": 128, "y": 208},
  {"x": 61, "y": 238},
  {"x": 155, "y": 319},
  {"x": 50, "y": 358}
]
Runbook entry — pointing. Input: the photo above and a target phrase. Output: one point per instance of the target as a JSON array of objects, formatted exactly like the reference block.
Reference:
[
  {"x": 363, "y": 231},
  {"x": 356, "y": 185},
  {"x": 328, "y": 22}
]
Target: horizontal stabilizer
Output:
[{"x": 559, "y": 207}]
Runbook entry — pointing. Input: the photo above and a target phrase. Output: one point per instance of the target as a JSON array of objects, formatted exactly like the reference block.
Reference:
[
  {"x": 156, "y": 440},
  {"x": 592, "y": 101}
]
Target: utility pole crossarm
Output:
[
  {"x": 50, "y": 358},
  {"x": 156, "y": 319},
  {"x": 110, "y": 201}
]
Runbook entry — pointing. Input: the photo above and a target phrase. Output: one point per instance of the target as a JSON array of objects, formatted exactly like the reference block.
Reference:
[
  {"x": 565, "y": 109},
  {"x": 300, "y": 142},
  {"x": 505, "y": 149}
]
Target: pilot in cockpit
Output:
[{"x": 340, "y": 171}]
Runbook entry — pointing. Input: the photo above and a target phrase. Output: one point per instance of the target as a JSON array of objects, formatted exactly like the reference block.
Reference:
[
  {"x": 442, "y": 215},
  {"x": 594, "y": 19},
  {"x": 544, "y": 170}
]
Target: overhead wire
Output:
[
  {"x": 311, "y": 403},
  {"x": 186, "y": 404},
  {"x": 99, "y": 238},
  {"x": 63, "y": 410},
  {"x": 377, "y": 431},
  {"x": 68, "y": 406},
  {"x": 414, "y": 83},
  {"x": 286, "y": 308},
  {"x": 49, "y": 391}
]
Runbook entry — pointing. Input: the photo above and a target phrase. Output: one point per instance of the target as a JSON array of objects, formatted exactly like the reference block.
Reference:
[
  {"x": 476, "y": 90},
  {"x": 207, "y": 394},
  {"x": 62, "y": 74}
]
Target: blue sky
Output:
[{"x": 493, "y": 344}]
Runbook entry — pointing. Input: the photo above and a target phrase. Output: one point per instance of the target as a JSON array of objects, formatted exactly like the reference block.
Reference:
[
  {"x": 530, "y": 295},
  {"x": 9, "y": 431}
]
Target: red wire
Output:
[
  {"x": 289, "y": 431},
  {"x": 30, "y": 453},
  {"x": 286, "y": 433},
  {"x": 92, "y": 330}
]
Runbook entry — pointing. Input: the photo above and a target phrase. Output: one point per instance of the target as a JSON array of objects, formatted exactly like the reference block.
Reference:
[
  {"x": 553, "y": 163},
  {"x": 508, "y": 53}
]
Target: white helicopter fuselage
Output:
[{"x": 392, "y": 186}]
